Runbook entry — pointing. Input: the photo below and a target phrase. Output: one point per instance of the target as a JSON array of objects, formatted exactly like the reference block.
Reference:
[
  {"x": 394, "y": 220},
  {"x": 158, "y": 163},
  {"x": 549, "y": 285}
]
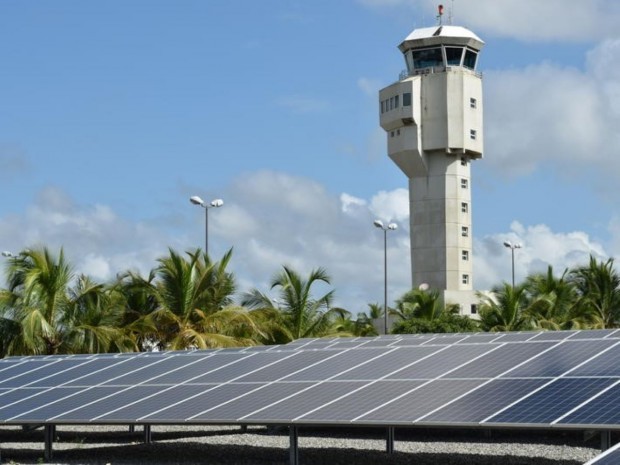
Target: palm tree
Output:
[
  {"x": 300, "y": 313},
  {"x": 364, "y": 323},
  {"x": 425, "y": 305},
  {"x": 505, "y": 309},
  {"x": 598, "y": 286},
  {"x": 194, "y": 304},
  {"x": 42, "y": 314},
  {"x": 552, "y": 301}
]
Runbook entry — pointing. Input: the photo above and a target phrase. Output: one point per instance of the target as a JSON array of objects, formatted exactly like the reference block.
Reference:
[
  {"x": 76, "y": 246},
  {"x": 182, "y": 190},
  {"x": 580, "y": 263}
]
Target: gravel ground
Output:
[{"x": 217, "y": 445}]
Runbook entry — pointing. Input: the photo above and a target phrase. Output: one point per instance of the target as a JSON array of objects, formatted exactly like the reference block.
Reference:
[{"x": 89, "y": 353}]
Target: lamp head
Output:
[
  {"x": 217, "y": 203},
  {"x": 196, "y": 200},
  {"x": 508, "y": 244},
  {"x": 378, "y": 224},
  {"x": 6, "y": 253},
  {"x": 392, "y": 226}
]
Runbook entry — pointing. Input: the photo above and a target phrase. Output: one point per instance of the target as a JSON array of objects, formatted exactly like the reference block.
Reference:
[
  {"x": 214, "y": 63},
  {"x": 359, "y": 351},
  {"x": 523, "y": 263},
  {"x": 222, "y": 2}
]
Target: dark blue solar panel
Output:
[
  {"x": 420, "y": 402},
  {"x": 263, "y": 396},
  {"x": 333, "y": 366},
  {"x": 304, "y": 402},
  {"x": 251, "y": 362},
  {"x": 188, "y": 372},
  {"x": 603, "y": 410},
  {"x": 553, "y": 336},
  {"x": 552, "y": 401},
  {"x": 479, "y": 338},
  {"x": 515, "y": 337},
  {"x": 596, "y": 334},
  {"x": 442, "y": 362},
  {"x": 33, "y": 401},
  {"x": 609, "y": 457},
  {"x": 485, "y": 401},
  {"x": 561, "y": 358},
  {"x": 605, "y": 364},
  {"x": 287, "y": 366},
  {"x": 147, "y": 404},
  {"x": 359, "y": 402},
  {"x": 211, "y": 397},
  {"x": 10, "y": 375},
  {"x": 383, "y": 366},
  {"x": 500, "y": 360},
  {"x": 115, "y": 369}
]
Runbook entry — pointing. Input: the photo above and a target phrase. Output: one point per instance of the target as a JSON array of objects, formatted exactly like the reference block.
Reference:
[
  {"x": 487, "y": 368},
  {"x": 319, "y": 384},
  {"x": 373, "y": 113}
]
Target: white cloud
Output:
[
  {"x": 540, "y": 247},
  {"x": 369, "y": 86},
  {"x": 527, "y": 20},
  {"x": 556, "y": 115},
  {"x": 393, "y": 205}
]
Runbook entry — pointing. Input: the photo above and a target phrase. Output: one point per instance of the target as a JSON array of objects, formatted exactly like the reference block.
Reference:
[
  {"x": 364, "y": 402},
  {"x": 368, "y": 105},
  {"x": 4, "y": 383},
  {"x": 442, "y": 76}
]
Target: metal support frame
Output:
[
  {"x": 294, "y": 441},
  {"x": 148, "y": 438},
  {"x": 49, "y": 432},
  {"x": 389, "y": 443},
  {"x": 132, "y": 428},
  {"x": 605, "y": 440}
]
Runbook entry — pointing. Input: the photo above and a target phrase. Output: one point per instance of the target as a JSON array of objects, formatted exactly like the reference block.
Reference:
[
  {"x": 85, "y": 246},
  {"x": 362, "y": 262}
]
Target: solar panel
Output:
[
  {"x": 609, "y": 457},
  {"x": 499, "y": 379}
]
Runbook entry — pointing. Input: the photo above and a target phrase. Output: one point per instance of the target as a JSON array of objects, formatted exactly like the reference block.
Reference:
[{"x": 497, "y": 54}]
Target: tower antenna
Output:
[
  {"x": 439, "y": 15},
  {"x": 450, "y": 12}
]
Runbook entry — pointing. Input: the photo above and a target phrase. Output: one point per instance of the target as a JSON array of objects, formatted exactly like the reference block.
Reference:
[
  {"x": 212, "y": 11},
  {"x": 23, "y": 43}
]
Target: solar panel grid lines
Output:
[
  {"x": 292, "y": 354},
  {"x": 322, "y": 360},
  {"x": 142, "y": 396},
  {"x": 602, "y": 411},
  {"x": 610, "y": 457},
  {"x": 586, "y": 402},
  {"x": 498, "y": 414},
  {"x": 319, "y": 382}
]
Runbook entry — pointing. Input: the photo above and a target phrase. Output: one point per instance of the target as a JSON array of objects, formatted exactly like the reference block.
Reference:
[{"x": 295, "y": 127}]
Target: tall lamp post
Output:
[
  {"x": 201, "y": 203},
  {"x": 390, "y": 227},
  {"x": 512, "y": 248}
]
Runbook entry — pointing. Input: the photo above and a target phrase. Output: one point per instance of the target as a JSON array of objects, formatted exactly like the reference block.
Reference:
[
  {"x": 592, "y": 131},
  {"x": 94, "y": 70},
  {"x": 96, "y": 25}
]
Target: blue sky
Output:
[{"x": 114, "y": 113}]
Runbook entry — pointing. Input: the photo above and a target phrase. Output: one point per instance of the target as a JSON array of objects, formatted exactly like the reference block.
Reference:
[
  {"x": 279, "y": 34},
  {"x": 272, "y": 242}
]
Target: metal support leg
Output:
[
  {"x": 605, "y": 440},
  {"x": 244, "y": 428},
  {"x": 50, "y": 430},
  {"x": 389, "y": 443},
  {"x": 147, "y": 434},
  {"x": 294, "y": 449},
  {"x": 132, "y": 428}
]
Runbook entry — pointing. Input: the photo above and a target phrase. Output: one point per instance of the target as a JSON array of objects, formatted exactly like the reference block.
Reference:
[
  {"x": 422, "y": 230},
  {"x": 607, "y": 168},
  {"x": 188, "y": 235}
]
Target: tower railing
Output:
[{"x": 404, "y": 74}]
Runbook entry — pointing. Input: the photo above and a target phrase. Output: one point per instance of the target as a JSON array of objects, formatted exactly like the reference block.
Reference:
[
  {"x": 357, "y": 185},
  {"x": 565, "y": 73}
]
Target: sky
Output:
[{"x": 113, "y": 113}]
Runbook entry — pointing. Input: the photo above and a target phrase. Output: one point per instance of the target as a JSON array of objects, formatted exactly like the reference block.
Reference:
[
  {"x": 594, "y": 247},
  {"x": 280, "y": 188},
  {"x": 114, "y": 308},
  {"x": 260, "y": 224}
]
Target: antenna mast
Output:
[
  {"x": 450, "y": 12},
  {"x": 439, "y": 15}
]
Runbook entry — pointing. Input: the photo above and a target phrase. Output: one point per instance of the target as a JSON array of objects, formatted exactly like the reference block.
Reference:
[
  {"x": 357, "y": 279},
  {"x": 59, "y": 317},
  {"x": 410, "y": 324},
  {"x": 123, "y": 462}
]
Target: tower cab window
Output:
[
  {"x": 470, "y": 59},
  {"x": 427, "y": 58},
  {"x": 453, "y": 56}
]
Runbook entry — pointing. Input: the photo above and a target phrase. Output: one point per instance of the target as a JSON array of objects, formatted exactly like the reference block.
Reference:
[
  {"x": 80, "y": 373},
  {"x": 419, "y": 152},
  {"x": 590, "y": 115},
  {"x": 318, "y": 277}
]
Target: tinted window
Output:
[
  {"x": 427, "y": 58},
  {"x": 453, "y": 56},
  {"x": 470, "y": 59},
  {"x": 407, "y": 99}
]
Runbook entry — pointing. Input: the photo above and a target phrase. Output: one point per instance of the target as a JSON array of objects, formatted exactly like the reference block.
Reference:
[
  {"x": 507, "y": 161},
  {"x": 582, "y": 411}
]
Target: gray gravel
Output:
[{"x": 228, "y": 445}]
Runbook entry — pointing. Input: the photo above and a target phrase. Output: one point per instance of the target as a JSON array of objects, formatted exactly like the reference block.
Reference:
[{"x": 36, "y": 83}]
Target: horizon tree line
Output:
[{"x": 188, "y": 301}]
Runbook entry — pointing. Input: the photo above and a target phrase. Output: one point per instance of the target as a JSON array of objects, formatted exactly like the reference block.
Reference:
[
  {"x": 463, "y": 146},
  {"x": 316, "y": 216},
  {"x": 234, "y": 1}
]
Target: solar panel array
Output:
[
  {"x": 609, "y": 457},
  {"x": 567, "y": 379}
]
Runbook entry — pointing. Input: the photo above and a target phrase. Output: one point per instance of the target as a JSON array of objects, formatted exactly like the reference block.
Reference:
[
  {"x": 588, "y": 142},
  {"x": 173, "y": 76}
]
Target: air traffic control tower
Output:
[{"x": 433, "y": 120}]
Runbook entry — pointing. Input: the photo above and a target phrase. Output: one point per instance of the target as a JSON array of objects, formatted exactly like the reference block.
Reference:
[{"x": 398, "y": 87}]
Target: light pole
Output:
[
  {"x": 391, "y": 227},
  {"x": 512, "y": 248},
  {"x": 214, "y": 204},
  {"x": 6, "y": 253}
]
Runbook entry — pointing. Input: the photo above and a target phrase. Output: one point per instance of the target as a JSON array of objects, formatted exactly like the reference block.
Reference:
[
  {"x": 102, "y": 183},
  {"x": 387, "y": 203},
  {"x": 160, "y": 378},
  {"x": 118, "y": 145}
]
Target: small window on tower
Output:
[
  {"x": 474, "y": 309},
  {"x": 463, "y": 161},
  {"x": 464, "y": 183},
  {"x": 470, "y": 59},
  {"x": 398, "y": 132},
  {"x": 473, "y": 103},
  {"x": 396, "y": 101},
  {"x": 391, "y": 133},
  {"x": 407, "y": 99},
  {"x": 473, "y": 134},
  {"x": 465, "y": 279},
  {"x": 464, "y": 231},
  {"x": 453, "y": 56},
  {"x": 464, "y": 207},
  {"x": 391, "y": 103},
  {"x": 382, "y": 107},
  {"x": 465, "y": 255}
]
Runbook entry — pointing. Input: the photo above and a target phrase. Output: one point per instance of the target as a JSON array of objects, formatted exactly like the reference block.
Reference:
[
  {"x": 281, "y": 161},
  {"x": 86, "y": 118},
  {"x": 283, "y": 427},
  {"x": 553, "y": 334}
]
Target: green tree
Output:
[
  {"x": 300, "y": 313},
  {"x": 46, "y": 309},
  {"x": 598, "y": 287},
  {"x": 505, "y": 309},
  {"x": 194, "y": 304},
  {"x": 422, "y": 311},
  {"x": 552, "y": 301}
]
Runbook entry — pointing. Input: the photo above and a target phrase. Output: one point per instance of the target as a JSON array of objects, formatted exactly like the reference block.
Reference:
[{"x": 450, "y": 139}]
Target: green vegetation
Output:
[{"x": 188, "y": 301}]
